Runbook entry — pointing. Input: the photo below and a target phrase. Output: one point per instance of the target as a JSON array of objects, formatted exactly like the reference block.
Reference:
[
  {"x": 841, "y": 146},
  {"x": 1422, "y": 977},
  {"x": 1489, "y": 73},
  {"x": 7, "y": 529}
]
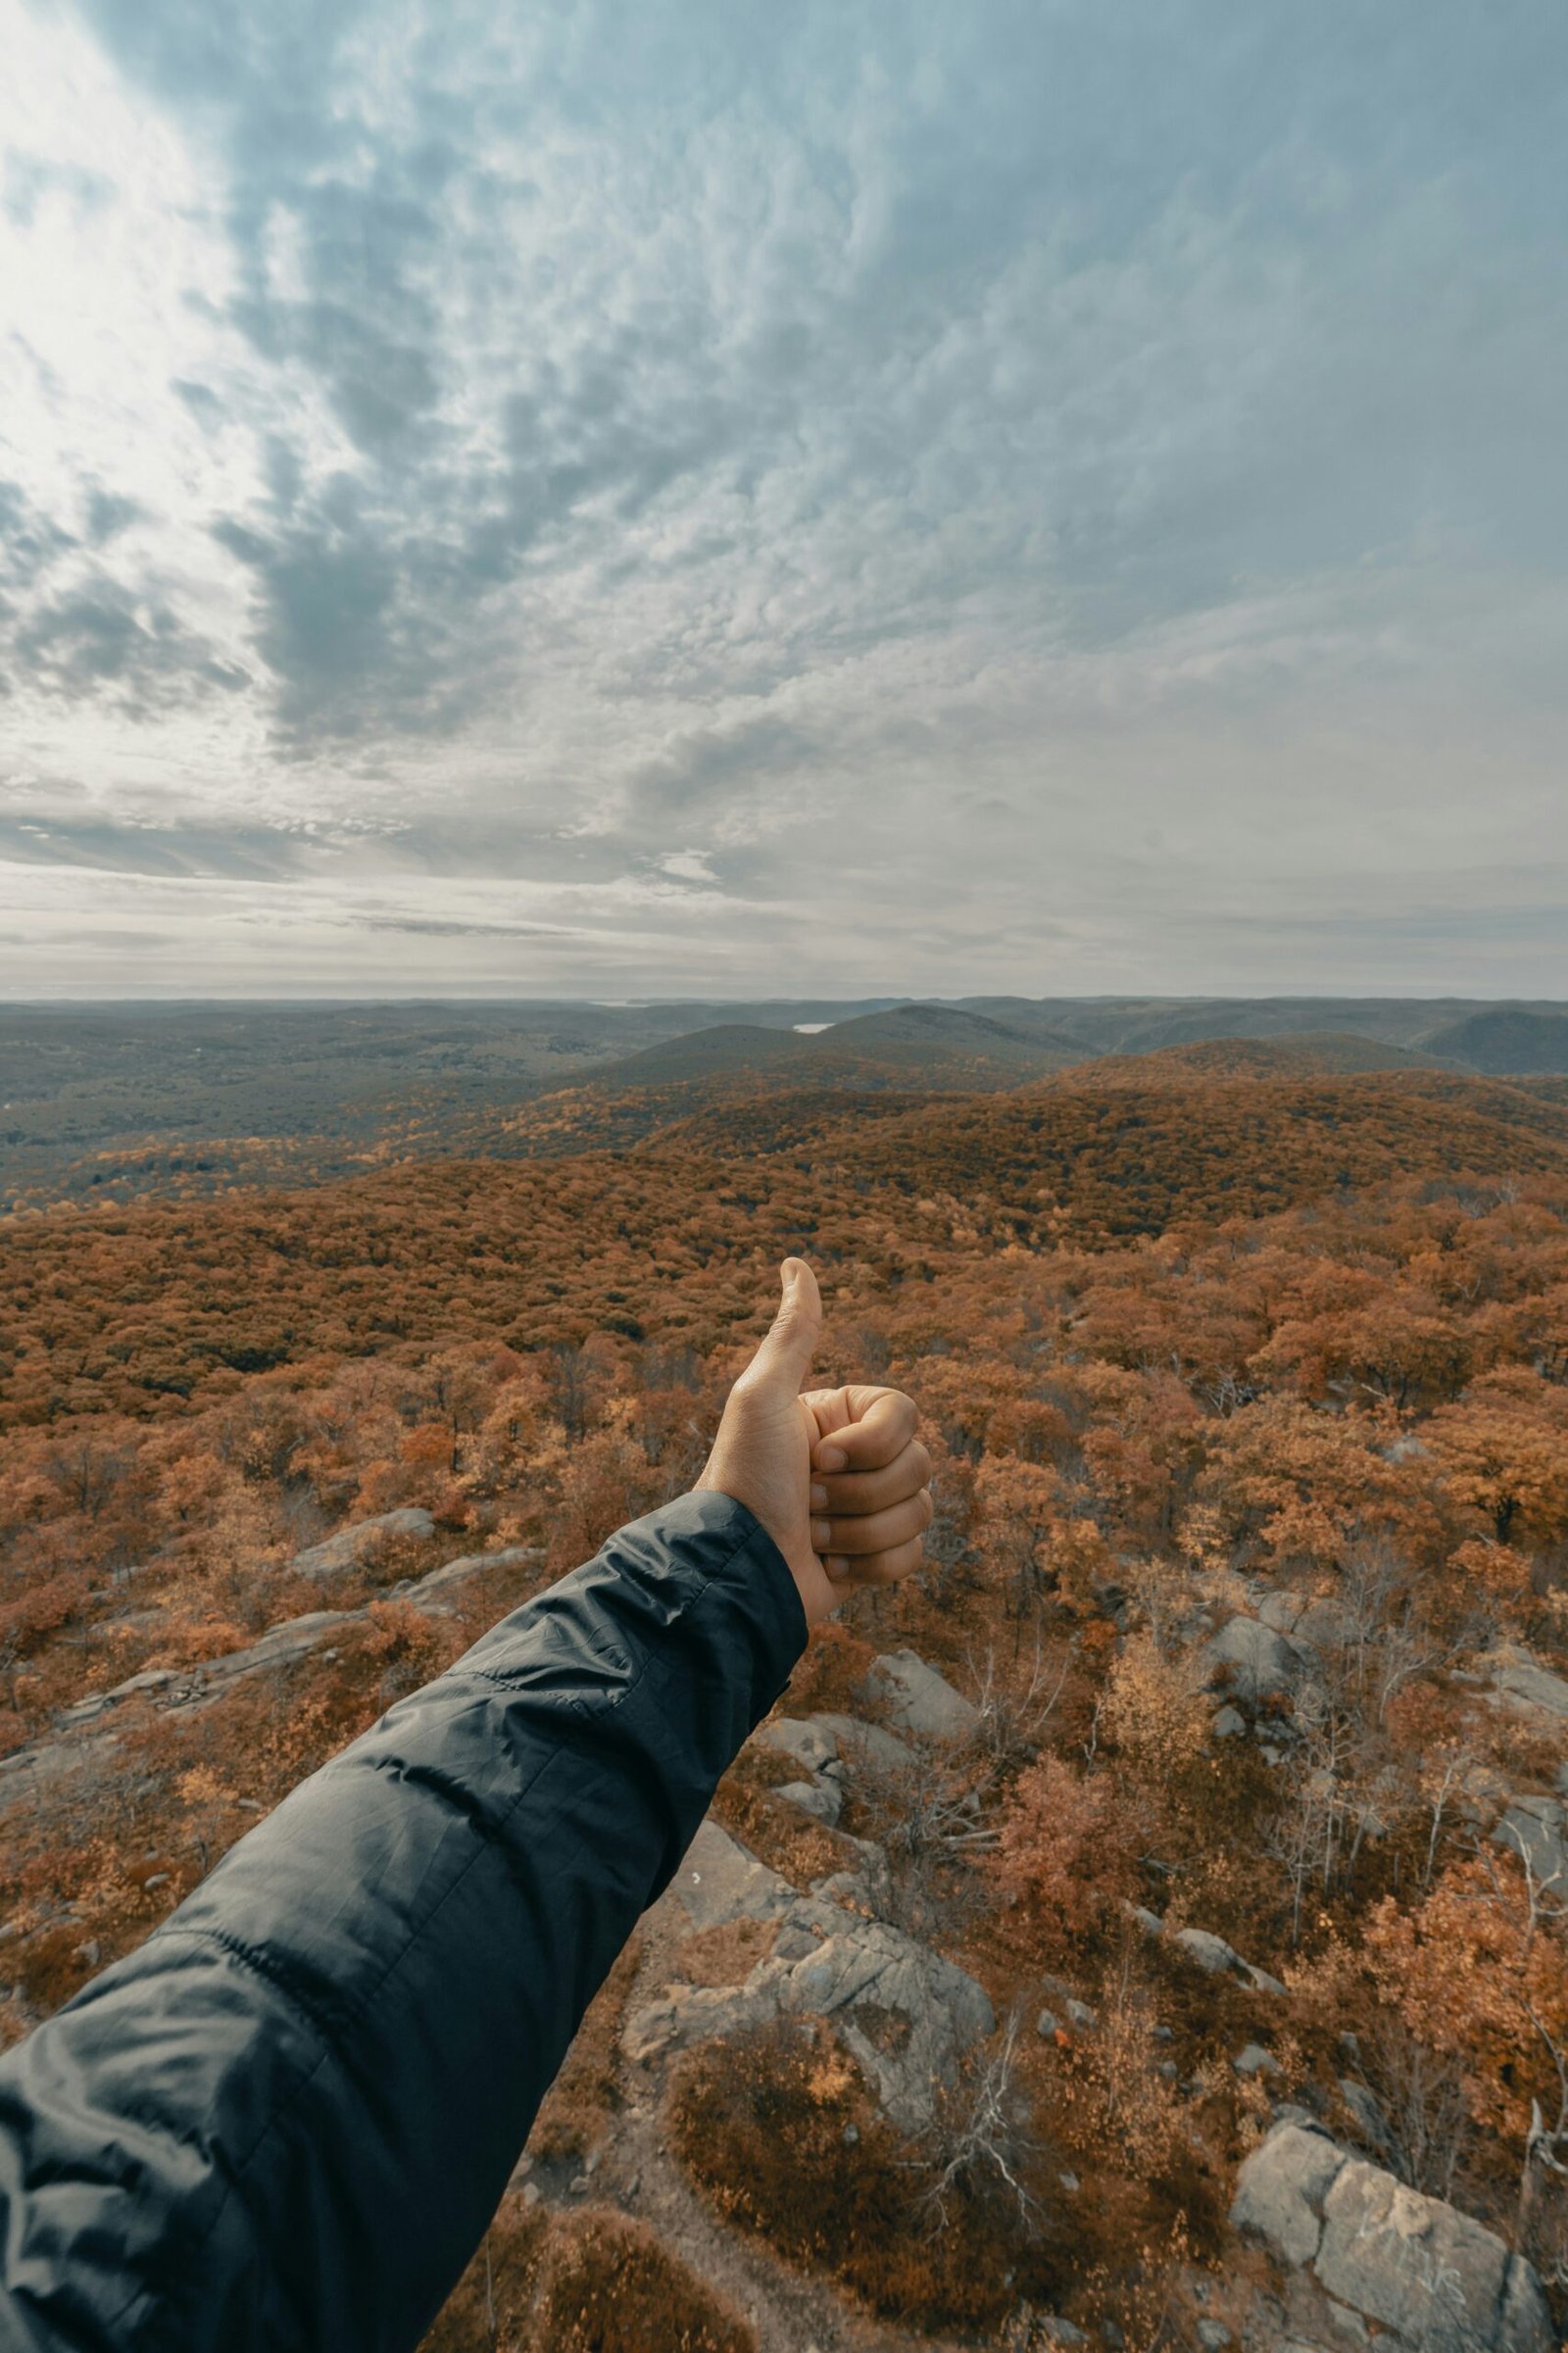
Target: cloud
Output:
[{"x": 922, "y": 480}]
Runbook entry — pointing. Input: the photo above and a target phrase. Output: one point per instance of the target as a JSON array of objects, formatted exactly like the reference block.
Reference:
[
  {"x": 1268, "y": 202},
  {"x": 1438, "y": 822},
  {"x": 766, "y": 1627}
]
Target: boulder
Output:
[
  {"x": 823, "y": 1798},
  {"x": 1252, "y": 1661},
  {"x": 805, "y": 1738},
  {"x": 1211, "y": 1953},
  {"x": 1254, "y": 2060},
  {"x": 1229, "y": 1723},
  {"x": 920, "y": 1700},
  {"x": 866, "y": 1747},
  {"x": 352, "y": 1547},
  {"x": 1281, "y": 2189},
  {"x": 1316, "y": 1624},
  {"x": 1438, "y": 2279}
]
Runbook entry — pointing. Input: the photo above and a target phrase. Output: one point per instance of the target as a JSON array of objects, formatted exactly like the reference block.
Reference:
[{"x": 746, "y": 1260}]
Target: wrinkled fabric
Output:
[{"x": 285, "y": 2120}]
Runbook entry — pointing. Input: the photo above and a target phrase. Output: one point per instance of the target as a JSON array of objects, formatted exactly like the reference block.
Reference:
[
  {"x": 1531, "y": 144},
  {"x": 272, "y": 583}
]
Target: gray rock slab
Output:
[
  {"x": 823, "y": 1798},
  {"x": 805, "y": 1738},
  {"x": 919, "y": 1699},
  {"x": 905, "y": 2012},
  {"x": 862, "y": 1746},
  {"x": 1281, "y": 2189},
  {"x": 1522, "y": 1683},
  {"x": 1438, "y": 2278},
  {"x": 1537, "y": 1829},
  {"x": 718, "y": 1880},
  {"x": 1252, "y": 1661},
  {"x": 1211, "y": 1953},
  {"x": 471, "y": 1564},
  {"x": 349, "y": 1547}
]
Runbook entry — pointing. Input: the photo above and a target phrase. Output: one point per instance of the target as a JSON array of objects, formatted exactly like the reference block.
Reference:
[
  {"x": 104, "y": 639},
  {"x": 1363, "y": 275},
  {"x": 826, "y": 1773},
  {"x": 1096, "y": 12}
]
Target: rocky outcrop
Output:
[
  {"x": 205, "y": 1680},
  {"x": 1251, "y": 1661},
  {"x": 1438, "y": 2280},
  {"x": 905, "y": 2012},
  {"x": 1520, "y": 1682},
  {"x": 1535, "y": 1828},
  {"x": 919, "y": 1699},
  {"x": 352, "y": 1547}
]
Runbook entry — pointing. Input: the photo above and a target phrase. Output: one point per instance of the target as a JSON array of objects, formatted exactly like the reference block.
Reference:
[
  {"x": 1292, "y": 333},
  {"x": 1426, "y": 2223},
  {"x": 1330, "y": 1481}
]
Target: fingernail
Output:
[
  {"x": 832, "y": 1458},
  {"x": 819, "y": 1498},
  {"x": 821, "y": 1536},
  {"x": 838, "y": 1570}
]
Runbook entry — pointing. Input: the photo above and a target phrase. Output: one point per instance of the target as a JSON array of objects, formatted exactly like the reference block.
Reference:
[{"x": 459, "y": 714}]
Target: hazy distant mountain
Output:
[
  {"x": 1425, "y": 1024},
  {"x": 1506, "y": 1039},
  {"x": 1315, "y": 1053},
  {"x": 936, "y": 1047}
]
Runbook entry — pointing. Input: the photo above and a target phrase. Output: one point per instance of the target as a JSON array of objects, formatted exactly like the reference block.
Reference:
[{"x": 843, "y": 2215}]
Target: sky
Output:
[{"x": 729, "y": 499}]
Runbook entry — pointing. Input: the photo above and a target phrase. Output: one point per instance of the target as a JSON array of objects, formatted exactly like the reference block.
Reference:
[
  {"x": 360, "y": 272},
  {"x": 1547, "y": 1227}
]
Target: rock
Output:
[
  {"x": 863, "y": 1747},
  {"x": 1047, "y": 2025},
  {"x": 905, "y": 2012},
  {"x": 1070, "y": 2183},
  {"x": 1439, "y": 2279},
  {"x": 279, "y": 1646},
  {"x": 469, "y": 1564},
  {"x": 1537, "y": 1829},
  {"x": 1281, "y": 2189},
  {"x": 1252, "y": 1661},
  {"x": 1050, "y": 2330},
  {"x": 718, "y": 1881},
  {"x": 806, "y": 1740},
  {"x": 1149, "y": 1922},
  {"x": 1229, "y": 1723},
  {"x": 1214, "y": 2336},
  {"x": 1521, "y": 1682},
  {"x": 1211, "y": 1953},
  {"x": 1254, "y": 2060},
  {"x": 919, "y": 1699},
  {"x": 823, "y": 1798},
  {"x": 1214, "y": 1956},
  {"x": 1083, "y": 2016},
  {"x": 1317, "y": 1623},
  {"x": 151, "y": 1679},
  {"x": 350, "y": 1548}
]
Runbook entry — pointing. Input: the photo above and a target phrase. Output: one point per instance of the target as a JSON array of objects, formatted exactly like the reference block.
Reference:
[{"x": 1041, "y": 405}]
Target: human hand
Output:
[{"x": 837, "y": 1477}]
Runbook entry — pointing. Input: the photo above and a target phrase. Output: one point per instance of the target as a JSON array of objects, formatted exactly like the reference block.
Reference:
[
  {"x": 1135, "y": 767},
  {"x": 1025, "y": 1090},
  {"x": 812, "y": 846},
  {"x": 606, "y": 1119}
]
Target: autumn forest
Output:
[{"x": 1244, "y": 1370}]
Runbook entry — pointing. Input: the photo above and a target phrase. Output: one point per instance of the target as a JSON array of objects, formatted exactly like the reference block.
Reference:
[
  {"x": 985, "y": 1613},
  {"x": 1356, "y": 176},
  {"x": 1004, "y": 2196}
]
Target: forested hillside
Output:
[{"x": 1243, "y": 1815}]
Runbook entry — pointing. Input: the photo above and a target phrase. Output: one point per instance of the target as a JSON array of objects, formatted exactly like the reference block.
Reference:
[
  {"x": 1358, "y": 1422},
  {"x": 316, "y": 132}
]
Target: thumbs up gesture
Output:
[{"x": 836, "y": 1476}]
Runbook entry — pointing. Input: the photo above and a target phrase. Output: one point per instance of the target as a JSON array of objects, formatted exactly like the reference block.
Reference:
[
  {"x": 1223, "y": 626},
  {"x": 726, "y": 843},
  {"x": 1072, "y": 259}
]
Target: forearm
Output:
[{"x": 286, "y": 2120}]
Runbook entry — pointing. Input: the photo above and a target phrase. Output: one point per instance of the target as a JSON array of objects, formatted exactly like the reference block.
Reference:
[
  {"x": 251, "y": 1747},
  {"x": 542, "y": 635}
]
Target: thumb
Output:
[{"x": 785, "y": 1356}]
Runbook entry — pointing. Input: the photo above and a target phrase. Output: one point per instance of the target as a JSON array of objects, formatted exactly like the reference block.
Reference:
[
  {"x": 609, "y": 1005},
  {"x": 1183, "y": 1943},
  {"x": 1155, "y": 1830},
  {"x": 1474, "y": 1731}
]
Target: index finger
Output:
[{"x": 883, "y": 1424}]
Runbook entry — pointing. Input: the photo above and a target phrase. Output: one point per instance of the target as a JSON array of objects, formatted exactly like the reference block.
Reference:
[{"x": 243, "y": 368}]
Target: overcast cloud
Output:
[{"x": 719, "y": 497}]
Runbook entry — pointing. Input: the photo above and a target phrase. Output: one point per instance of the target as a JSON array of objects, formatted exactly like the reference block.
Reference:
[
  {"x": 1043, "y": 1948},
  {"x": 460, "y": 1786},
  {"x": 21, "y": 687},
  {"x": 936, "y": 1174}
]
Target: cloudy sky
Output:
[{"x": 731, "y": 497}]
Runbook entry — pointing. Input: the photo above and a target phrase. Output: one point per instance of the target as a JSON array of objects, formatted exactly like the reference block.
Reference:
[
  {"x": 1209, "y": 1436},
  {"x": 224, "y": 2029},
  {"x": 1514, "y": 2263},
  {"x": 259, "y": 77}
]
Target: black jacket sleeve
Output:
[{"x": 285, "y": 2120}]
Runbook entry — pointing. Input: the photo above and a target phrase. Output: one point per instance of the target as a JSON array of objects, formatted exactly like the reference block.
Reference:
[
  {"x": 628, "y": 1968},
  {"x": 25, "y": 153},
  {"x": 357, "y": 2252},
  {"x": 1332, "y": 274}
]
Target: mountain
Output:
[
  {"x": 1314, "y": 1053},
  {"x": 1507, "y": 1039}
]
